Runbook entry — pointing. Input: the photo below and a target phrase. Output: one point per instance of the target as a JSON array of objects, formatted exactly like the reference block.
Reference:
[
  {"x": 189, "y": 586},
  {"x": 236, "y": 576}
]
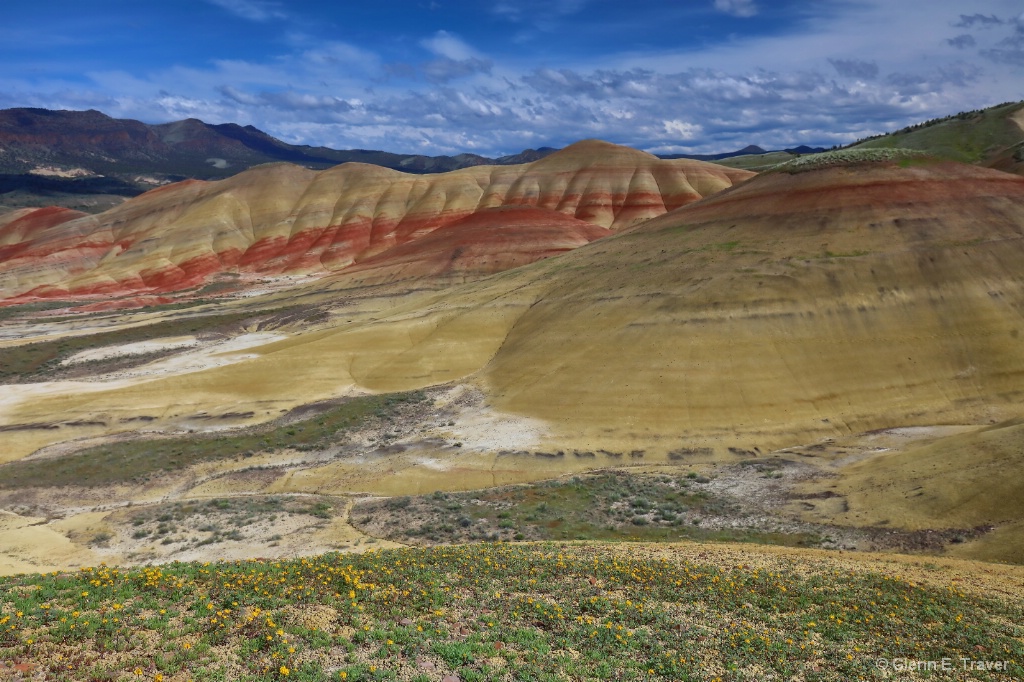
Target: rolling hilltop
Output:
[{"x": 284, "y": 219}]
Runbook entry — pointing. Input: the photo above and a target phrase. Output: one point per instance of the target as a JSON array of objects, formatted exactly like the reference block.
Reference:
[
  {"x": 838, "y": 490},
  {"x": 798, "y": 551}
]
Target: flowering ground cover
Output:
[{"x": 493, "y": 612}]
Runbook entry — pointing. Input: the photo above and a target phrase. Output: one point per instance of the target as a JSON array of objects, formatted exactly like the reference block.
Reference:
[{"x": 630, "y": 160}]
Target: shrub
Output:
[{"x": 100, "y": 539}]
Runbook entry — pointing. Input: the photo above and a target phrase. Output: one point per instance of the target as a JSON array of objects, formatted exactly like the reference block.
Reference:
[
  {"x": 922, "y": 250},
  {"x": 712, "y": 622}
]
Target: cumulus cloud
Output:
[
  {"x": 236, "y": 95},
  {"x": 957, "y": 74},
  {"x": 724, "y": 110},
  {"x": 737, "y": 8},
  {"x": 1008, "y": 50},
  {"x": 455, "y": 58},
  {"x": 445, "y": 44},
  {"x": 253, "y": 10},
  {"x": 855, "y": 68},
  {"x": 537, "y": 19},
  {"x": 682, "y": 130},
  {"x": 531, "y": 10},
  {"x": 292, "y": 100},
  {"x": 444, "y": 69},
  {"x": 601, "y": 84},
  {"x": 694, "y": 110},
  {"x": 962, "y": 42},
  {"x": 437, "y": 93},
  {"x": 968, "y": 21}
]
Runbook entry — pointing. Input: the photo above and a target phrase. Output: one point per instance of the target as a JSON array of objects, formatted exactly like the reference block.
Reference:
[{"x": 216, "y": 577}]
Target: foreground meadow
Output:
[{"x": 501, "y": 612}]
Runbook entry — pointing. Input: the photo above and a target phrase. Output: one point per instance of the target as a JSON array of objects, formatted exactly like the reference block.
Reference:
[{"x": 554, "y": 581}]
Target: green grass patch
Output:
[
  {"x": 149, "y": 309},
  {"x": 721, "y": 246},
  {"x": 613, "y": 505},
  {"x": 205, "y": 522},
  {"x": 849, "y": 254},
  {"x": 849, "y": 157},
  {"x": 236, "y": 510},
  {"x": 134, "y": 460},
  {"x": 677, "y": 229},
  {"x": 492, "y": 612},
  {"x": 13, "y": 311}
]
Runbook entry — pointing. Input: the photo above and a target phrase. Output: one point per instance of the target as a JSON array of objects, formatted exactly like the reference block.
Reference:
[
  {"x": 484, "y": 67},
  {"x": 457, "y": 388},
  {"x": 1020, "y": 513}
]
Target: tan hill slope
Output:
[
  {"x": 968, "y": 480},
  {"x": 283, "y": 219},
  {"x": 788, "y": 308}
]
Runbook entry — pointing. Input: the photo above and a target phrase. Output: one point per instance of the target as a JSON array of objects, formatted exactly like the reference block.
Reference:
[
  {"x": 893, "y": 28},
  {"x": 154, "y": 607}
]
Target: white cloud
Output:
[
  {"x": 455, "y": 58},
  {"x": 536, "y": 10},
  {"x": 978, "y": 19},
  {"x": 445, "y": 44},
  {"x": 962, "y": 42},
  {"x": 253, "y": 10},
  {"x": 681, "y": 130},
  {"x": 239, "y": 96},
  {"x": 737, "y": 8},
  {"x": 845, "y": 71},
  {"x": 855, "y": 68},
  {"x": 444, "y": 69}
]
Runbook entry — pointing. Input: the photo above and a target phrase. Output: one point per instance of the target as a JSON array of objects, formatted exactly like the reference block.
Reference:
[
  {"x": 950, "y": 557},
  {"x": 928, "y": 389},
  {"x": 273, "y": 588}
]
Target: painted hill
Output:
[
  {"x": 484, "y": 242},
  {"x": 19, "y": 227},
  {"x": 789, "y": 308},
  {"x": 285, "y": 219}
]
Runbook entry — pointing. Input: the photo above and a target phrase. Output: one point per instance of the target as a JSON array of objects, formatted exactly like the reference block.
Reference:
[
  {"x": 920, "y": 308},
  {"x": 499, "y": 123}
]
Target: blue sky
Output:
[{"x": 449, "y": 76}]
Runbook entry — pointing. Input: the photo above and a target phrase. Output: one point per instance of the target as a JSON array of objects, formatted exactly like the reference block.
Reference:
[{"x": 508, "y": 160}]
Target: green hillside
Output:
[
  {"x": 970, "y": 136},
  {"x": 989, "y": 137}
]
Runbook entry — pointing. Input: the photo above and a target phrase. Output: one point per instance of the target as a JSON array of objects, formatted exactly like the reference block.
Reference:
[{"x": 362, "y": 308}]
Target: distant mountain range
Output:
[
  {"x": 90, "y": 161},
  {"x": 749, "y": 150},
  {"x": 34, "y": 138},
  {"x": 64, "y": 157}
]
